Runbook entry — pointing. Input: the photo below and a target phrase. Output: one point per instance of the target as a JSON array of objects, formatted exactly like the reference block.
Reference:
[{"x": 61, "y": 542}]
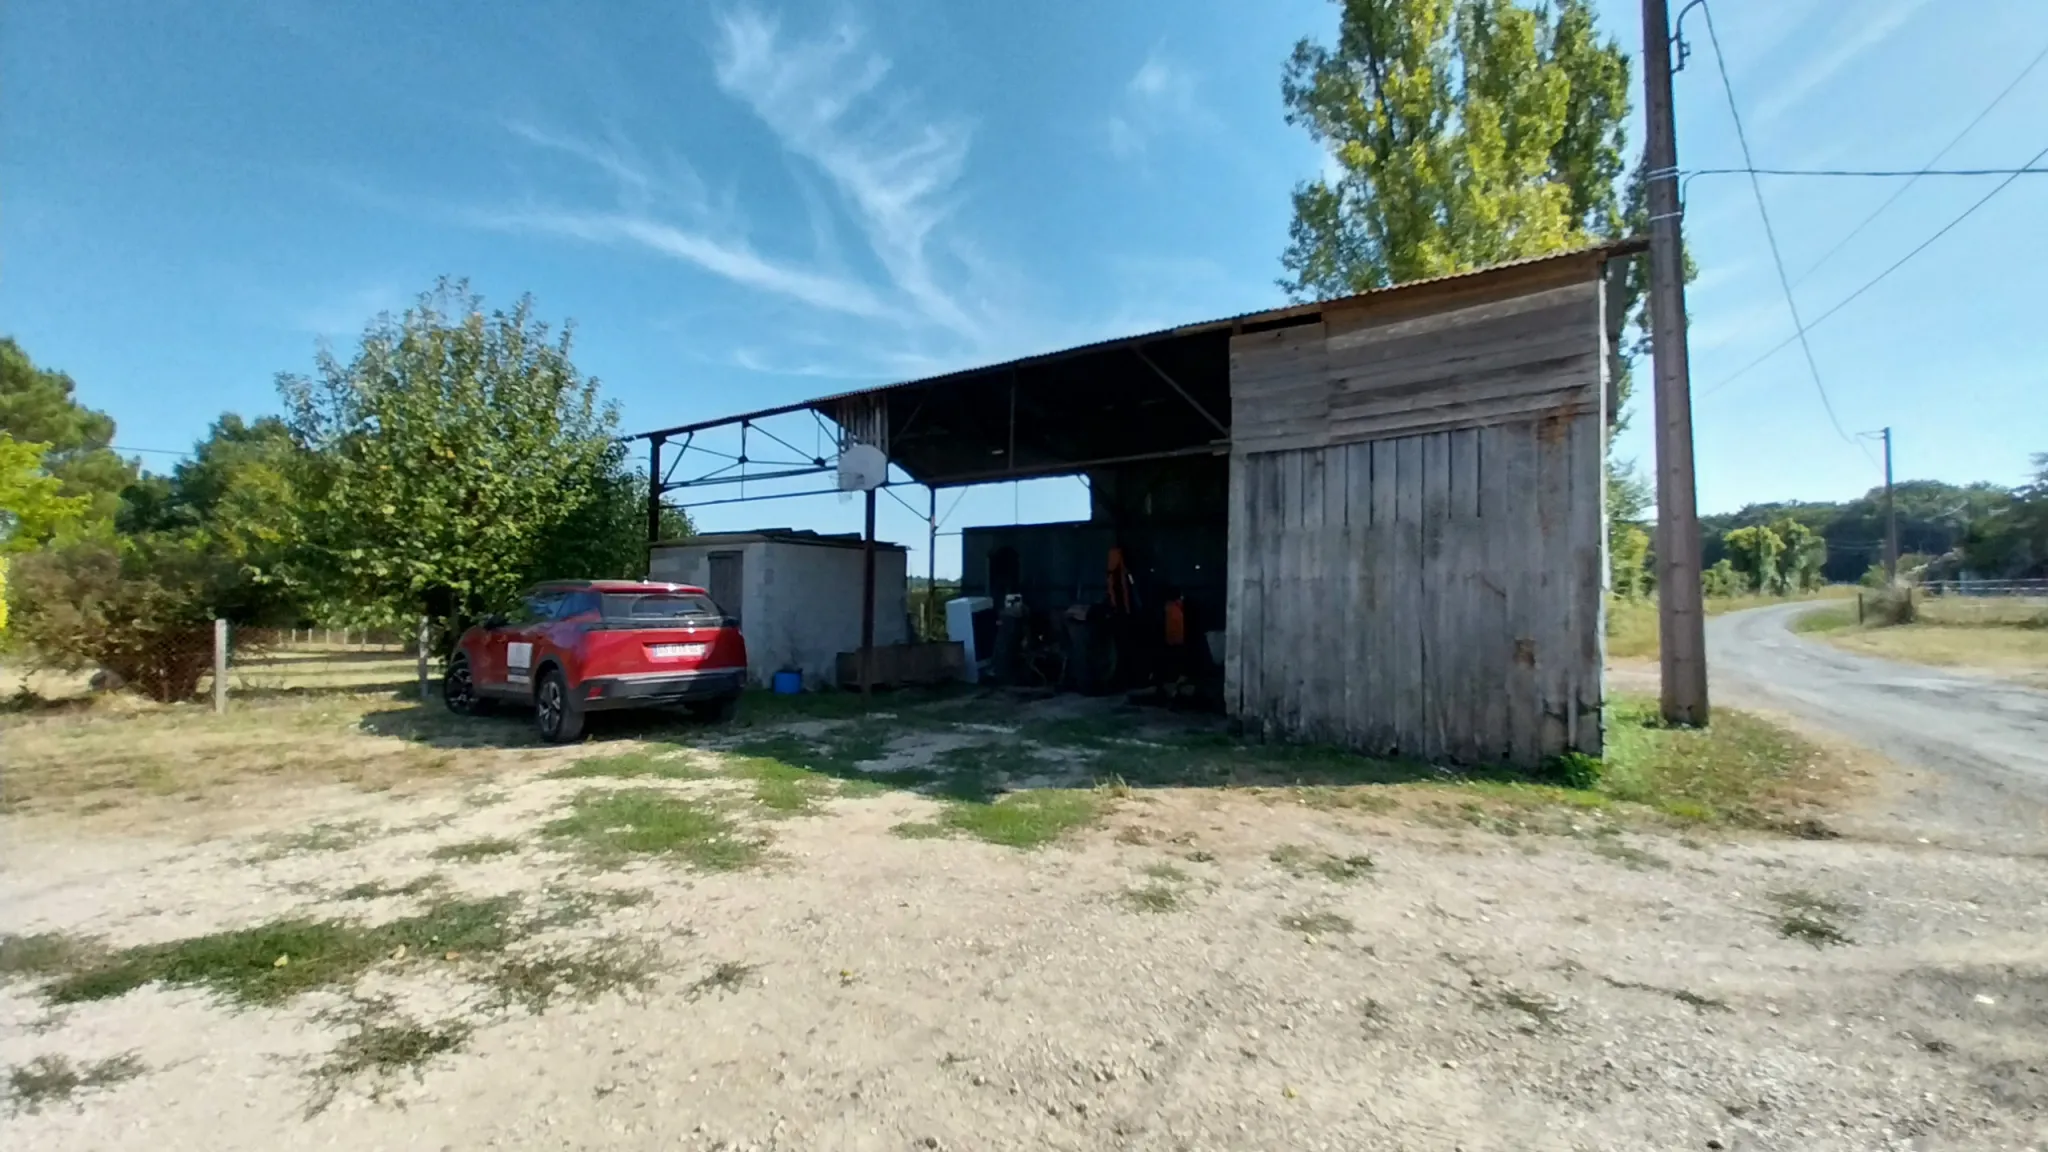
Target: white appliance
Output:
[{"x": 960, "y": 612}]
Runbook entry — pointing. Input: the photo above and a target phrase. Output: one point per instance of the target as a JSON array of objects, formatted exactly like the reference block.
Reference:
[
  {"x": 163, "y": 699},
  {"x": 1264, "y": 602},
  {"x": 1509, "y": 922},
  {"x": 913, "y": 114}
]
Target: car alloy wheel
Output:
[
  {"x": 457, "y": 691},
  {"x": 548, "y": 709}
]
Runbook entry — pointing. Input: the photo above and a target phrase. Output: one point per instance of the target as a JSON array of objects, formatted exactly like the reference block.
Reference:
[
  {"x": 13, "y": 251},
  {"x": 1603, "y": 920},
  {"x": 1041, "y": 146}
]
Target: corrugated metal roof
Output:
[{"x": 1608, "y": 249}]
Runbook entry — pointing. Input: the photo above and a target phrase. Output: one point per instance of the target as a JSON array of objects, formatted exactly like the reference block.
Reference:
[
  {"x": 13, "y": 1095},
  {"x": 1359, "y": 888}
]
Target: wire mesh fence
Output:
[{"x": 284, "y": 661}]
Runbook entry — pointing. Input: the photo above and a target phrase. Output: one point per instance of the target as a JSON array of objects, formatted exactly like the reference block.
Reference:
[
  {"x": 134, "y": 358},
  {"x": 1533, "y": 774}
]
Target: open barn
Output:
[{"x": 1375, "y": 521}]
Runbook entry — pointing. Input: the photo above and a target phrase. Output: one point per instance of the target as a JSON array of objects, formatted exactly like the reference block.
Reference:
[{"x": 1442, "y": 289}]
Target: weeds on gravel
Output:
[
  {"x": 274, "y": 962},
  {"x": 921, "y": 830},
  {"x": 1151, "y": 898},
  {"x": 1301, "y": 860},
  {"x": 1628, "y": 854},
  {"x": 616, "y": 825},
  {"x": 784, "y": 789},
  {"x": 382, "y": 1043},
  {"x": 42, "y": 954},
  {"x": 729, "y": 976},
  {"x": 378, "y": 890},
  {"x": 1317, "y": 923},
  {"x": 567, "y": 907},
  {"x": 471, "y": 851},
  {"x": 1811, "y": 918},
  {"x": 49, "y": 1078},
  {"x": 536, "y": 981},
  {"x": 320, "y": 838}
]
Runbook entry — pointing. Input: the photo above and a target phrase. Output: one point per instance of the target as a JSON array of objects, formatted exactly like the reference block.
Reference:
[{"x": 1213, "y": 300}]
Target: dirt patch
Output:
[{"x": 923, "y": 953}]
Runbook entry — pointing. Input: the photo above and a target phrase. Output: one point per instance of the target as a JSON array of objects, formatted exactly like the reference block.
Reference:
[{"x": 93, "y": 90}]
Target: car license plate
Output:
[{"x": 675, "y": 651}]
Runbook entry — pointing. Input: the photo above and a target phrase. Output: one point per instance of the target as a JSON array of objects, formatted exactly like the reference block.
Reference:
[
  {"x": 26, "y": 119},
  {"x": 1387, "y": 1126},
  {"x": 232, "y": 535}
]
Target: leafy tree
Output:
[
  {"x": 2010, "y": 540},
  {"x": 33, "y": 508},
  {"x": 37, "y": 406},
  {"x": 1800, "y": 566},
  {"x": 457, "y": 455},
  {"x": 1628, "y": 557},
  {"x": 1720, "y": 579},
  {"x": 237, "y": 498},
  {"x": 1754, "y": 553},
  {"x": 1468, "y": 132}
]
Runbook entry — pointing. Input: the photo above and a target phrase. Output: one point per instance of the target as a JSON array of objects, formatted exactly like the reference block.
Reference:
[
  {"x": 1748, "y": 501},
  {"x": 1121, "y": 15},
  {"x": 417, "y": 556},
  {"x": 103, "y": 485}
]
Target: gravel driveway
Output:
[{"x": 1985, "y": 740}]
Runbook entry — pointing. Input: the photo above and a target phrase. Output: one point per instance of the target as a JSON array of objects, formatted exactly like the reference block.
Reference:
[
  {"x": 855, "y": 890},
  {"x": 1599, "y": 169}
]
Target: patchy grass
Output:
[
  {"x": 471, "y": 851},
  {"x": 920, "y": 830},
  {"x": 338, "y": 837},
  {"x": 123, "y": 752},
  {"x": 378, "y": 890},
  {"x": 634, "y": 765},
  {"x": 1026, "y": 819},
  {"x": 780, "y": 787},
  {"x": 1301, "y": 860},
  {"x": 42, "y": 954},
  {"x": 1167, "y": 873},
  {"x": 50, "y": 1078},
  {"x": 728, "y": 976},
  {"x": 567, "y": 907},
  {"x": 1739, "y": 770},
  {"x": 615, "y": 825},
  {"x": 273, "y": 962},
  {"x": 1317, "y": 923},
  {"x": 1151, "y": 898},
  {"x": 1830, "y": 618},
  {"x": 1616, "y": 850}
]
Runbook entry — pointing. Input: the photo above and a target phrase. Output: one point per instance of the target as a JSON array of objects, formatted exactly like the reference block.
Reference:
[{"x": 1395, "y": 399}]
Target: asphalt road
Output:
[{"x": 1988, "y": 738}]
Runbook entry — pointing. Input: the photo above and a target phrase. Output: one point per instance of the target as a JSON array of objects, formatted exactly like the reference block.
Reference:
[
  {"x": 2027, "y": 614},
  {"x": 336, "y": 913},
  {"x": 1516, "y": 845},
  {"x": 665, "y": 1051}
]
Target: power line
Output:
[
  {"x": 151, "y": 451},
  {"x": 1914, "y": 173},
  {"x": 1873, "y": 281},
  {"x": 1777, "y": 258},
  {"x": 1928, "y": 169}
]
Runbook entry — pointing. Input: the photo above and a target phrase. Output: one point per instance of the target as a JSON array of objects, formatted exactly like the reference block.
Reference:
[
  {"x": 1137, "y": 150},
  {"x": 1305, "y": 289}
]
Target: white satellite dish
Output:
[{"x": 862, "y": 468}]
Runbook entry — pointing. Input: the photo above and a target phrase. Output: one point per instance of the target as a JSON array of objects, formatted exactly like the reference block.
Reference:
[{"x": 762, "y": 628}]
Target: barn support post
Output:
[
  {"x": 934, "y": 619},
  {"x": 654, "y": 444},
  {"x": 867, "y": 601}
]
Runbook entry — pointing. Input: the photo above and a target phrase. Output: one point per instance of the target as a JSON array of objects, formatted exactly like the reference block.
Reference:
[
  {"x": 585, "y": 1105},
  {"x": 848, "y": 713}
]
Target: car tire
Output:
[
  {"x": 717, "y": 711},
  {"x": 458, "y": 690},
  {"x": 556, "y": 713}
]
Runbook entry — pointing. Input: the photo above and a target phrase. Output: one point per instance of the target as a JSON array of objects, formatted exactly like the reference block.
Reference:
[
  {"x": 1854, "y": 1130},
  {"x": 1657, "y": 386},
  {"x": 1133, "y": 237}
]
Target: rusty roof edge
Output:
[{"x": 1606, "y": 250}]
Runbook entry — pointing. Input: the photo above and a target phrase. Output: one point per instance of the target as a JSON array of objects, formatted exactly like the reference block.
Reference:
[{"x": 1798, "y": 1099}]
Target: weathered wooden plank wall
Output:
[{"x": 1417, "y": 528}]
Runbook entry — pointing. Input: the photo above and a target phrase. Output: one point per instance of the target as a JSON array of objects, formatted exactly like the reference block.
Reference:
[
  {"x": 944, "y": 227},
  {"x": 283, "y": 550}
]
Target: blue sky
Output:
[{"x": 743, "y": 205}]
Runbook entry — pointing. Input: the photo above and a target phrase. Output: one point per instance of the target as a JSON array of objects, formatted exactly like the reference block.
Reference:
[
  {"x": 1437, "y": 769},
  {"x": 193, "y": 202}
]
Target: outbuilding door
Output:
[{"x": 726, "y": 581}]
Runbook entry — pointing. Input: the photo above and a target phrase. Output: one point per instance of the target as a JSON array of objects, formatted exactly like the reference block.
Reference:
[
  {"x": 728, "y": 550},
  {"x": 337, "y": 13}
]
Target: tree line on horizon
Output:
[{"x": 455, "y": 457}]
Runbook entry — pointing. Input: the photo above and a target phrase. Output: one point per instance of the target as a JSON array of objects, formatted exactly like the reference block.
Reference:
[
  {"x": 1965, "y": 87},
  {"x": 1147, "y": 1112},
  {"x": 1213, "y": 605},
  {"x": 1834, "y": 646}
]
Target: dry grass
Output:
[
  {"x": 1632, "y": 624},
  {"x": 2008, "y": 637},
  {"x": 119, "y": 752}
]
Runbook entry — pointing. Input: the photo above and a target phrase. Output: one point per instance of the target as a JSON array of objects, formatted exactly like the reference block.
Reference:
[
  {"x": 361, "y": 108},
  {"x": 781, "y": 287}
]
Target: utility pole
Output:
[
  {"x": 1891, "y": 517},
  {"x": 1681, "y": 622}
]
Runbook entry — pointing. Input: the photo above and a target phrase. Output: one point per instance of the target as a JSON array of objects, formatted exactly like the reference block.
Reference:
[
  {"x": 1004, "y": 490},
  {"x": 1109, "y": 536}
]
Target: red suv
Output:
[{"x": 578, "y": 646}]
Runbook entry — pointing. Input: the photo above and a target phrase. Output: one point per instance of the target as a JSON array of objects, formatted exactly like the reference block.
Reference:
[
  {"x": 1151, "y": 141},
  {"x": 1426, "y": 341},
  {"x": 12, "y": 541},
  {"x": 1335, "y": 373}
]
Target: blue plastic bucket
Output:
[{"x": 788, "y": 683}]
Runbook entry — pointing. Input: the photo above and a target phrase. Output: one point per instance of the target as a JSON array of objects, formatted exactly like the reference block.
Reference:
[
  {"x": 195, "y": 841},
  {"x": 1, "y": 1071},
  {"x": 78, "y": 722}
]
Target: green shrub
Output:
[
  {"x": 1575, "y": 770},
  {"x": 139, "y": 609},
  {"x": 1891, "y": 606}
]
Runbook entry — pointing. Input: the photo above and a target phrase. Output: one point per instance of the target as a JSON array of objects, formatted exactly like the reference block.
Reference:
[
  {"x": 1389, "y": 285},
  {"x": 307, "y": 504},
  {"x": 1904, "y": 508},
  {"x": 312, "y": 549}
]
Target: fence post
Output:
[
  {"x": 220, "y": 665},
  {"x": 1859, "y": 608},
  {"x": 426, "y": 678}
]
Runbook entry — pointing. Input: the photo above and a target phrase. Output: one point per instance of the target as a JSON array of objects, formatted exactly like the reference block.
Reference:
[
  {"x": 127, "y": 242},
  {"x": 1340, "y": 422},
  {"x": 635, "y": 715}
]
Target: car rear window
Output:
[{"x": 658, "y": 608}]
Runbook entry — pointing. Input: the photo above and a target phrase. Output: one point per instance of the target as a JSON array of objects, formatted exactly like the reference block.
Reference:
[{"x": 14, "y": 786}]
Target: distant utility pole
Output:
[
  {"x": 1891, "y": 517},
  {"x": 1681, "y": 622}
]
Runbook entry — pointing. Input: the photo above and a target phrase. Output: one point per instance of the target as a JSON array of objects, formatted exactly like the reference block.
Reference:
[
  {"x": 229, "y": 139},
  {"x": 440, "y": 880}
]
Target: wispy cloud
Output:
[
  {"x": 1157, "y": 97},
  {"x": 898, "y": 170},
  {"x": 1860, "y": 28},
  {"x": 728, "y": 257}
]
